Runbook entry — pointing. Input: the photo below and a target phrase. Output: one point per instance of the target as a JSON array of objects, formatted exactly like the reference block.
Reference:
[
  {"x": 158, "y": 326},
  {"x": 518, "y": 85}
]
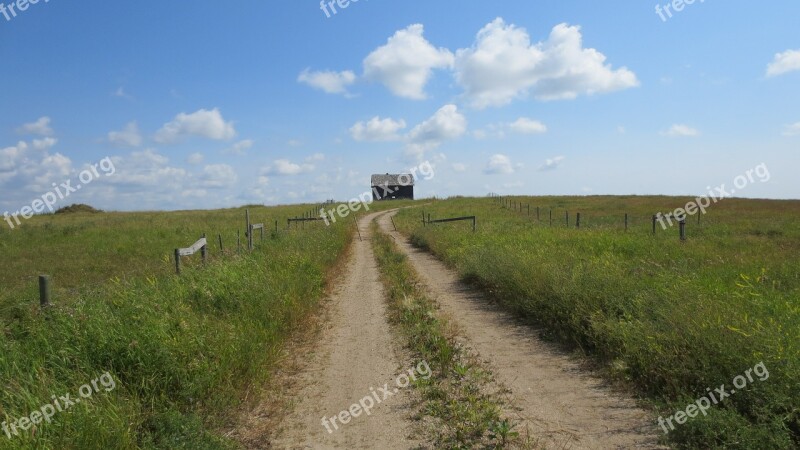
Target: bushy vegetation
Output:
[
  {"x": 673, "y": 319},
  {"x": 184, "y": 351}
]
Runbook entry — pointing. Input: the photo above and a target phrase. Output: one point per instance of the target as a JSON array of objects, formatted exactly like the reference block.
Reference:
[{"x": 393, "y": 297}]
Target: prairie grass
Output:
[{"x": 670, "y": 318}]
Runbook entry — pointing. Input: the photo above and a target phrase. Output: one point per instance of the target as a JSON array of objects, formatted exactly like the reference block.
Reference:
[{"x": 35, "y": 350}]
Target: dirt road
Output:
[
  {"x": 356, "y": 352},
  {"x": 559, "y": 403}
]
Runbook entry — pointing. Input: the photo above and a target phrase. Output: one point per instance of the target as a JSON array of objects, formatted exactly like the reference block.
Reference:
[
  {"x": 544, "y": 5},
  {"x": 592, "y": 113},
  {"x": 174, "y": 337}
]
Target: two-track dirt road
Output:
[{"x": 553, "y": 398}]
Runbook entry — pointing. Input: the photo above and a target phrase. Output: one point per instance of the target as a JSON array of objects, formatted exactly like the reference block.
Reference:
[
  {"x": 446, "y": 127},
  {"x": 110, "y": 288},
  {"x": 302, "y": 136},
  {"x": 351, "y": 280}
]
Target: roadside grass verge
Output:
[
  {"x": 673, "y": 319},
  {"x": 184, "y": 351},
  {"x": 456, "y": 397}
]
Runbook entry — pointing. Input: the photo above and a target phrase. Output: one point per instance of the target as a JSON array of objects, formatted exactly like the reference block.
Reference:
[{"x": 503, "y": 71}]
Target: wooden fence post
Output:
[
  {"x": 682, "y": 224},
  {"x": 567, "y": 218},
  {"x": 44, "y": 291},
  {"x": 626, "y": 221},
  {"x": 551, "y": 217},
  {"x": 578, "y": 221},
  {"x": 238, "y": 242},
  {"x": 177, "y": 261},
  {"x": 221, "y": 249},
  {"x": 654, "y": 224},
  {"x": 204, "y": 250}
]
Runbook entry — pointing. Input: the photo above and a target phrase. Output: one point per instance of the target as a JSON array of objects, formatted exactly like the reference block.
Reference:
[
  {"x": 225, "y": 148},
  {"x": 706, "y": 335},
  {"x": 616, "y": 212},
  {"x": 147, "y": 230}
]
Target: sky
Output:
[{"x": 197, "y": 105}]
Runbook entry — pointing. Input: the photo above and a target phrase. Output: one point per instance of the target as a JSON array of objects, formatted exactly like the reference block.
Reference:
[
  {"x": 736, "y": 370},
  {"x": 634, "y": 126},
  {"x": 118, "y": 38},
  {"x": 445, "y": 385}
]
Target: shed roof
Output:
[{"x": 400, "y": 179}]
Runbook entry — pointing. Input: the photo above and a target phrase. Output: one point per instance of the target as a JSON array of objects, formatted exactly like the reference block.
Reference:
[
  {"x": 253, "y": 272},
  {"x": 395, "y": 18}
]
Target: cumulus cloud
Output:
[
  {"x": 406, "y": 63},
  {"x": 202, "y": 123},
  {"x": 525, "y": 125},
  {"x": 499, "y": 164},
  {"x": 377, "y": 130},
  {"x": 41, "y": 127},
  {"x": 447, "y": 124},
  {"x": 680, "y": 130},
  {"x": 327, "y": 80},
  {"x": 44, "y": 143},
  {"x": 503, "y": 65},
  {"x": 788, "y": 61},
  {"x": 30, "y": 168},
  {"x": 129, "y": 136},
  {"x": 284, "y": 167},
  {"x": 552, "y": 163}
]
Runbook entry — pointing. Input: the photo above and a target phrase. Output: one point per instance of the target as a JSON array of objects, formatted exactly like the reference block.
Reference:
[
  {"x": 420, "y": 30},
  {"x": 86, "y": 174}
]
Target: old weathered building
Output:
[{"x": 393, "y": 186}]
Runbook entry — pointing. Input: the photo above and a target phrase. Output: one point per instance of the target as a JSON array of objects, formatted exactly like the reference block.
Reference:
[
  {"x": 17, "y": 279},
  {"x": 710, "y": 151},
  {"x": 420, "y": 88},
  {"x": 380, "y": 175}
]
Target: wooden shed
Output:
[{"x": 393, "y": 187}]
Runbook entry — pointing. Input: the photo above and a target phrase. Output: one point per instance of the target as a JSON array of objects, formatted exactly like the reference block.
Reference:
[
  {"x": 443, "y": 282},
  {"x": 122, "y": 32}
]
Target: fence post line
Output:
[
  {"x": 44, "y": 291},
  {"x": 247, "y": 228},
  {"x": 177, "y": 261}
]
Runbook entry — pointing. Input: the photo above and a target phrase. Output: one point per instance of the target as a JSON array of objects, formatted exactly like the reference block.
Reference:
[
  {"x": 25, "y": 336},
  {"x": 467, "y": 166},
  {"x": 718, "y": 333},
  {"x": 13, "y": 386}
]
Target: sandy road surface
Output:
[
  {"x": 356, "y": 352},
  {"x": 558, "y": 402}
]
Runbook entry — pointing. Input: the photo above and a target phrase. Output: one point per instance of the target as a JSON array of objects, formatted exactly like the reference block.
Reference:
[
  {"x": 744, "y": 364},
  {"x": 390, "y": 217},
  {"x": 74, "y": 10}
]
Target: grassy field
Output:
[
  {"x": 183, "y": 352},
  {"x": 673, "y": 319}
]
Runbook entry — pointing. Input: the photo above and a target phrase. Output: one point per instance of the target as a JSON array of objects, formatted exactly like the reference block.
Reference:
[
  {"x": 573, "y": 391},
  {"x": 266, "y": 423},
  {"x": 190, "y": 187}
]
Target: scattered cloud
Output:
[
  {"x": 406, "y": 63},
  {"x": 239, "y": 148},
  {"x": 195, "y": 159},
  {"x": 788, "y": 61},
  {"x": 503, "y": 65},
  {"x": 218, "y": 176},
  {"x": 202, "y": 123},
  {"x": 41, "y": 127},
  {"x": 316, "y": 157},
  {"x": 552, "y": 163},
  {"x": 284, "y": 167},
  {"x": 377, "y": 130},
  {"x": 524, "y": 125},
  {"x": 499, "y": 164},
  {"x": 459, "y": 167},
  {"x": 679, "y": 130},
  {"x": 792, "y": 130},
  {"x": 446, "y": 124},
  {"x": 129, "y": 136},
  {"x": 120, "y": 93},
  {"x": 44, "y": 143},
  {"x": 328, "y": 81},
  {"x": 294, "y": 143}
]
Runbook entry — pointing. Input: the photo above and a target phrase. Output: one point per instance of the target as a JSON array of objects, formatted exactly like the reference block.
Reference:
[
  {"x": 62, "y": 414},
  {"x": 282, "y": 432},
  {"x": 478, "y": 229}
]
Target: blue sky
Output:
[{"x": 214, "y": 104}]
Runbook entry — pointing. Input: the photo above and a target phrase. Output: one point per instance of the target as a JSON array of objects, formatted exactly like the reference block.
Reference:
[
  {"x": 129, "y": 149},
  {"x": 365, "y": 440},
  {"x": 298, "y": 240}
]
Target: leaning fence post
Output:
[
  {"x": 221, "y": 248},
  {"x": 177, "y": 261},
  {"x": 44, "y": 291}
]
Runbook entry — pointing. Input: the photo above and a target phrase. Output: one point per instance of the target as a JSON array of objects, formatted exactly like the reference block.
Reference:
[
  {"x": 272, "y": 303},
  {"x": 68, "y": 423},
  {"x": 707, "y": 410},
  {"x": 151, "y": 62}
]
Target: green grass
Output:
[
  {"x": 465, "y": 413},
  {"x": 670, "y": 318},
  {"x": 184, "y": 351}
]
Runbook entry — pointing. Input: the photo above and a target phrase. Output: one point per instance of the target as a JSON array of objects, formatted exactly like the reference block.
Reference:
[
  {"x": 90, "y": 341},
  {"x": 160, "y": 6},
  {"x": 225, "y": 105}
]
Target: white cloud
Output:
[
  {"x": 218, "y": 176},
  {"x": 195, "y": 159},
  {"x": 458, "y": 167},
  {"x": 446, "y": 124},
  {"x": 524, "y": 125},
  {"x": 44, "y": 144},
  {"x": 405, "y": 64},
  {"x": 203, "y": 123},
  {"x": 792, "y": 130},
  {"x": 328, "y": 81},
  {"x": 788, "y": 61},
  {"x": 120, "y": 93},
  {"x": 499, "y": 164},
  {"x": 284, "y": 167},
  {"x": 129, "y": 136},
  {"x": 239, "y": 148},
  {"x": 552, "y": 164},
  {"x": 503, "y": 65},
  {"x": 377, "y": 130},
  {"x": 316, "y": 157},
  {"x": 295, "y": 143},
  {"x": 679, "y": 130},
  {"x": 41, "y": 127}
]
